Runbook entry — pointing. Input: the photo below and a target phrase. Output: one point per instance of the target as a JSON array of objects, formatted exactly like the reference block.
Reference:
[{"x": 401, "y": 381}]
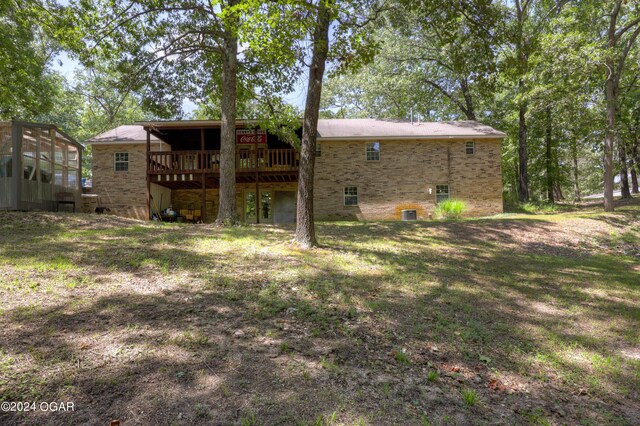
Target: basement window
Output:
[
  {"x": 121, "y": 161},
  {"x": 470, "y": 147},
  {"x": 351, "y": 196},
  {"x": 442, "y": 193},
  {"x": 373, "y": 151}
]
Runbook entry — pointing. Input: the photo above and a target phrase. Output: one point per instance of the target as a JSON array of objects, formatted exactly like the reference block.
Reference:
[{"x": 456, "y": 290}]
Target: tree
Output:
[
  {"x": 353, "y": 46},
  {"x": 305, "y": 230},
  {"x": 173, "y": 50},
  {"x": 622, "y": 31},
  {"x": 628, "y": 121},
  {"x": 529, "y": 20},
  {"x": 560, "y": 96},
  {"x": 435, "y": 62},
  {"x": 27, "y": 83}
]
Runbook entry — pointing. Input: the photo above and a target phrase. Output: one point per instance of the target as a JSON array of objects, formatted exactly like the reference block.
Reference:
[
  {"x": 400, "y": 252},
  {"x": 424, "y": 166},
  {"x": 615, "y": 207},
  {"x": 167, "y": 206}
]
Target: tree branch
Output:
[{"x": 625, "y": 53}]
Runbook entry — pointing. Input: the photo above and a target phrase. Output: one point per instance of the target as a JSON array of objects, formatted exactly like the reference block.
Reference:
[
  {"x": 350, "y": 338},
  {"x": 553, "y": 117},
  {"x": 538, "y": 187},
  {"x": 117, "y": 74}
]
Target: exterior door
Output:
[
  {"x": 284, "y": 207},
  {"x": 251, "y": 208}
]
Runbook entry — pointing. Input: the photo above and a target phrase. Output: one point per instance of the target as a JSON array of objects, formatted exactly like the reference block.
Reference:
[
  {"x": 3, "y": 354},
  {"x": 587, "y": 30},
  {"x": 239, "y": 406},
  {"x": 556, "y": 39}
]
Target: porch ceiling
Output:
[{"x": 213, "y": 182}]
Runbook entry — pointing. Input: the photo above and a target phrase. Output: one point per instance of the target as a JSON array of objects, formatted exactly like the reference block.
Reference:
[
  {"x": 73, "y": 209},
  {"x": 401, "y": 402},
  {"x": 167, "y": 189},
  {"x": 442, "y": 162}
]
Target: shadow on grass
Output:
[{"x": 286, "y": 337}]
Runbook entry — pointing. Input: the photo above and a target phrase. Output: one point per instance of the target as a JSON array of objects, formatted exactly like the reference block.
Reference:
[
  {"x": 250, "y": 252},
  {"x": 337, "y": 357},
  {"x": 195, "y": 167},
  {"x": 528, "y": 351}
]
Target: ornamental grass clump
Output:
[{"x": 450, "y": 209}]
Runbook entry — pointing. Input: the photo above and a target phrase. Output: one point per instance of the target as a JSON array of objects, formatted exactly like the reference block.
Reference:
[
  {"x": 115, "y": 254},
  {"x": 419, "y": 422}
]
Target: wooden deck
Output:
[{"x": 190, "y": 169}]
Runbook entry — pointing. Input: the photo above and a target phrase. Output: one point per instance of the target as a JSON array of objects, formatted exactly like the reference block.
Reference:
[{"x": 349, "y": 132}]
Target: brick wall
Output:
[
  {"x": 403, "y": 176},
  {"x": 407, "y": 170},
  {"x": 124, "y": 192}
]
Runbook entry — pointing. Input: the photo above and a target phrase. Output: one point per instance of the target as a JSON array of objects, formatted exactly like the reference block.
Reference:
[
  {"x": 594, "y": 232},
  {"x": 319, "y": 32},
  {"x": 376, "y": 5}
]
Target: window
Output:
[
  {"x": 351, "y": 196},
  {"x": 471, "y": 147},
  {"x": 373, "y": 151},
  {"x": 6, "y": 153},
  {"x": 73, "y": 159},
  {"x": 60, "y": 160},
  {"x": 442, "y": 193},
  {"x": 318, "y": 150},
  {"x": 121, "y": 161}
]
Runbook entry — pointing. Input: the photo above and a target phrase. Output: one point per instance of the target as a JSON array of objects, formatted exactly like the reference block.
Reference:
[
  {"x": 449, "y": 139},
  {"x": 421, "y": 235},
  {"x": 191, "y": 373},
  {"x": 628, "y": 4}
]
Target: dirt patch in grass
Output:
[{"x": 509, "y": 320}]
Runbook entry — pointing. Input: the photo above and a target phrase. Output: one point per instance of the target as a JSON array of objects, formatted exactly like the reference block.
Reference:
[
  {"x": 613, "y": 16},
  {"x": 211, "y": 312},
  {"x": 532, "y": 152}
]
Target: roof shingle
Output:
[{"x": 367, "y": 128}]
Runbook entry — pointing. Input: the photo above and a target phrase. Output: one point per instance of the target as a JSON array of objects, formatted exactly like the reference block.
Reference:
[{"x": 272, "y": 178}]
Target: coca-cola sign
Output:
[{"x": 251, "y": 137}]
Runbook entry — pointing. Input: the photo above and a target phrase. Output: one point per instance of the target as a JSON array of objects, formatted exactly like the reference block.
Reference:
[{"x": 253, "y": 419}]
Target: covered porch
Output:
[{"x": 188, "y": 166}]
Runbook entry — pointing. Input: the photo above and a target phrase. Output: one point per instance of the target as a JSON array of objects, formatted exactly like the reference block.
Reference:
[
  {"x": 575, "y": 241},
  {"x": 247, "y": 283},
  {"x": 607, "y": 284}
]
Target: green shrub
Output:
[
  {"x": 470, "y": 397},
  {"x": 432, "y": 375},
  {"x": 450, "y": 209}
]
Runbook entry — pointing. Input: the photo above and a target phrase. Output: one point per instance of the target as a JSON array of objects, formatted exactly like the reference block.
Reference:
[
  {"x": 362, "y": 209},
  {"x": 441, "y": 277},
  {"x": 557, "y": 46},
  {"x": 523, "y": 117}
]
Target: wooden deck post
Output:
[
  {"x": 148, "y": 175},
  {"x": 255, "y": 149},
  {"x": 16, "y": 141},
  {"x": 203, "y": 206}
]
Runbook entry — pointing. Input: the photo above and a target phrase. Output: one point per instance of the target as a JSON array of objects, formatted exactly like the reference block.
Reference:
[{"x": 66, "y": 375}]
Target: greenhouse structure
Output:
[{"x": 40, "y": 168}]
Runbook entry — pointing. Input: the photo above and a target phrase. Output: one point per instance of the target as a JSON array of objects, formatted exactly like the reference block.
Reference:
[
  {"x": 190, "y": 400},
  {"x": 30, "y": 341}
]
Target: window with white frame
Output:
[
  {"x": 351, "y": 196},
  {"x": 373, "y": 151},
  {"x": 121, "y": 161},
  {"x": 470, "y": 147},
  {"x": 442, "y": 193}
]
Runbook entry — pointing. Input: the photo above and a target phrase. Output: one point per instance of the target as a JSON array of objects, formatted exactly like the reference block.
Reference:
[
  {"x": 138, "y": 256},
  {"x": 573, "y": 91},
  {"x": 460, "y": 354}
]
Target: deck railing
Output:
[{"x": 185, "y": 162}]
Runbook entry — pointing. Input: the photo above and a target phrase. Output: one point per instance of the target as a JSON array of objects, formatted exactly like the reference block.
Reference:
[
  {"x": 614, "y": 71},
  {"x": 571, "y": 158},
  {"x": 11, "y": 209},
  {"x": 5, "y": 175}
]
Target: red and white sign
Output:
[{"x": 251, "y": 137}]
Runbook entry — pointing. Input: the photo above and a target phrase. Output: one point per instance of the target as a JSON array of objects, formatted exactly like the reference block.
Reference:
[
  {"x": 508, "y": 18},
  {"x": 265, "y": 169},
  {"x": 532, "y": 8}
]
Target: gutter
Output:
[{"x": 415, "y": 137}]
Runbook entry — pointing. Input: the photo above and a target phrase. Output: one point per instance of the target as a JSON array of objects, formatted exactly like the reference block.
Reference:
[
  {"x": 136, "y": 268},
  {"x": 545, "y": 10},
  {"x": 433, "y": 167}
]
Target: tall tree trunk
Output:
[
  {"x": 624, "y": 171},
  {"x": 557, "y": 192},
  {"x": 634, "y": 177},
  {"x": 523, "y": 178},
  {"x": 227, "y": 213},
  {"x": 549, "y": 157},
  {"x": 469, "y": 109},
  {"x": 611, "y": 96},
  {"x": 515, "y": 178},
  {"x": 635, "y": 160},
  {"x": 305, "y": 228},
  {"x": 522, "y": 45},
  {"x": 576, "y": 181}
]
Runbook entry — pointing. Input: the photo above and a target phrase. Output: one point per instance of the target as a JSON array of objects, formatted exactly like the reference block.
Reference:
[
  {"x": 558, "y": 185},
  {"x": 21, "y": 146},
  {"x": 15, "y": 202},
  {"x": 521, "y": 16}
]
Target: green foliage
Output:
[
  {"x": 450, "y": 209},
  {"x": 439, "y": 63},
  {"x": 92, "y": 105},
  {"x": 27, "y": 83},
  {"x": 167, "y": 53},
  {"x": 470, "y": 397},
  {"x": 329, "y": 365},
  {"x": 401, "y": 356},
  {"x": 533, "y": 207},
  {"x": 431, "y": 60}
]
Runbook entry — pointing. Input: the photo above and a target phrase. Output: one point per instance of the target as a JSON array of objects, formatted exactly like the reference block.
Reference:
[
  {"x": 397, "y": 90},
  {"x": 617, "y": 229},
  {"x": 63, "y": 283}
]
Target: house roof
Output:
[
  {"x": 123, "y": 134},
  {"x": 402, "y": 129},
  {"x": 44, "y": 126},
  {"x": 328, "y": 129}
]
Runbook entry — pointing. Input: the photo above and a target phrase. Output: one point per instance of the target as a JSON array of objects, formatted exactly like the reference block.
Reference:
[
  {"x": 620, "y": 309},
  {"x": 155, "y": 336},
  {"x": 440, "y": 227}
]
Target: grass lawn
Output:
[{"x": 514, "y": 319}]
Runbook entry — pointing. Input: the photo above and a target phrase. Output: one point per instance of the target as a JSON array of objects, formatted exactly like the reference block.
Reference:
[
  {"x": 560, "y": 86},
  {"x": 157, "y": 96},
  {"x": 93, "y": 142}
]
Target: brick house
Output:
[{"x": 366, "y": 169}]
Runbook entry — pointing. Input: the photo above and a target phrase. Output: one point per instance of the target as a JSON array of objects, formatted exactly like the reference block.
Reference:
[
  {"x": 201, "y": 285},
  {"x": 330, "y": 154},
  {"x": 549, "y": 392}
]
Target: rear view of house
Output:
[{"x": 366, "y": 169}]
